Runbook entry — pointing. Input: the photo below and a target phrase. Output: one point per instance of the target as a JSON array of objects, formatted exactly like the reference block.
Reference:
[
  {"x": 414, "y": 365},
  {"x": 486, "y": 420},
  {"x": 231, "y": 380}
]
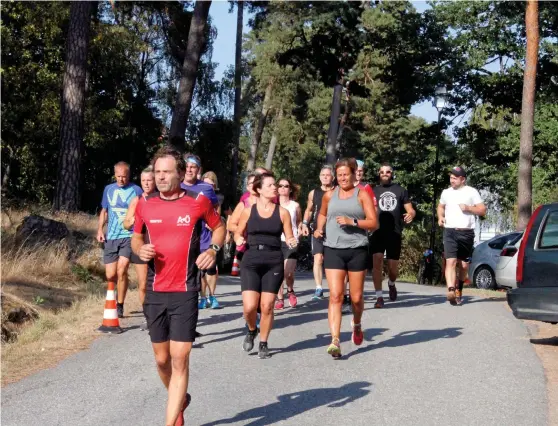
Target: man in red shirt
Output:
[{"x": 167, "y": 231}]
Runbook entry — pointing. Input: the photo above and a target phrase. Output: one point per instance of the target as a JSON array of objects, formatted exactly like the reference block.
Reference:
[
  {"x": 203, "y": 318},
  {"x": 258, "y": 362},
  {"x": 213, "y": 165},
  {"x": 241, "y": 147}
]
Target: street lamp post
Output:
[{"x": 440, "y": 102}]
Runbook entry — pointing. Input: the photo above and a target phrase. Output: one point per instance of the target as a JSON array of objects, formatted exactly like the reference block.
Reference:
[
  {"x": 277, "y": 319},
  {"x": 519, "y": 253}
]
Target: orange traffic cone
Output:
[
  {"x": 235, "y": 271},
  {"x": 110, "y": 316}
]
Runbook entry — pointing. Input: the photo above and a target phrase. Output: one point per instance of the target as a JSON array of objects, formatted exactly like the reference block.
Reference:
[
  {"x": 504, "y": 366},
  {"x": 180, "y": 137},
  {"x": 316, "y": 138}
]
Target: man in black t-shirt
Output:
[
  {"x": 308, "y": 225},
  {"x": 392, "y": 199}
]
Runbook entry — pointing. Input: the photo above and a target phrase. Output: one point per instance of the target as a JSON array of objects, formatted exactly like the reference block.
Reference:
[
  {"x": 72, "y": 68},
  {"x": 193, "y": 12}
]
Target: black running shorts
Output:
[
  {"x": 317, "y": 246},
  {"x": 458, "y": 244},
  {"x": 171, "y": 316},
  {"x": 262, "y": 271},
  {"x": 289, "y": 253},
  {"x": 349, "y": 259},
  {"x": 388, "y": 242}
]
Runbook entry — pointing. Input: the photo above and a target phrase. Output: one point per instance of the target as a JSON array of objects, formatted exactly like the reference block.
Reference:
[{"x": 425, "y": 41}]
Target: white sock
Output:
[
  {"x": 319, "y": 286},
  {"x": 379, "y": 293},
  {"x": 390, "y": 282}
]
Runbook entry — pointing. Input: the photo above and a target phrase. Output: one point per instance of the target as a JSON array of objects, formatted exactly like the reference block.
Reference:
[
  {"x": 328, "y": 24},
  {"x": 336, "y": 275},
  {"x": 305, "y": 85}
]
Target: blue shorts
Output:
[{"x": 121, "y": 247}]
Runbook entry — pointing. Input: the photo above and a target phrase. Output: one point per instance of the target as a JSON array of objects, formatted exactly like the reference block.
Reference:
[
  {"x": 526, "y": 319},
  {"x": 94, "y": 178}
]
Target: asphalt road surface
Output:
[{"x": 423, "y": 362}]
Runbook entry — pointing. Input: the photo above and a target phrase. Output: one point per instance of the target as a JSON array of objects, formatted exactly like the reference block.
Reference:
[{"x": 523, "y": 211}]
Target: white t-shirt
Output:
[
  {"x": 291, "y": 207},
  {"x": 455, "y": 217}
]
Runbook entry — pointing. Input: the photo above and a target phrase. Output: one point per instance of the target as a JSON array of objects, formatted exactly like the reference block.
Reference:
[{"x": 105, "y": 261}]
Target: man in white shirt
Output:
[{"x": 459, "y": 204}]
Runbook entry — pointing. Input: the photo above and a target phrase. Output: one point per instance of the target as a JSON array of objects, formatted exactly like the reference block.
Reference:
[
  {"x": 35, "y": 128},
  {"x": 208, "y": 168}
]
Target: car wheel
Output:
[{"x": 484, "y": 278}]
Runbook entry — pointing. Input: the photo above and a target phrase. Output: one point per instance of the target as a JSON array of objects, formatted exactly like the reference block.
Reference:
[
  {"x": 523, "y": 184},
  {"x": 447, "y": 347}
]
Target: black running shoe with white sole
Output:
[
  {"x": 263, "y": 353},
  {"x": 248, "y": 343}
]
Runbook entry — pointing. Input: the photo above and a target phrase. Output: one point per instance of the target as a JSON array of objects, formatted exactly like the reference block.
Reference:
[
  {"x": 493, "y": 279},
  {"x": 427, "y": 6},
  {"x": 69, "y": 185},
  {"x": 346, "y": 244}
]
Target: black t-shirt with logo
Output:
[{"x": 391, "y": 199}]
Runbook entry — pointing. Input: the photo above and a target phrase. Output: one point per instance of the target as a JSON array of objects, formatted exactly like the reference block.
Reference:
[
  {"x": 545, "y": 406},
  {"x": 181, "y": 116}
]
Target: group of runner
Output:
[{"x": 172, "y": 230}]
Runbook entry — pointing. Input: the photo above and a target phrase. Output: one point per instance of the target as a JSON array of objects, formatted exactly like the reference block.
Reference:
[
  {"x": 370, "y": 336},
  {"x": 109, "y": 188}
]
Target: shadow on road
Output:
[
  {"x": 293, "y": 404},
  {"x": 409, "y": 338},
  {"x": 549, "y": 341}
]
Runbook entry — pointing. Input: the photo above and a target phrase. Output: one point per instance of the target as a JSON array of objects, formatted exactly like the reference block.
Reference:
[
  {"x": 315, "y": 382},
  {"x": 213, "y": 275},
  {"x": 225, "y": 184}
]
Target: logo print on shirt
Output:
[
  {"x": 388, "y": 202},
  {"x": 182, "y": 221}
]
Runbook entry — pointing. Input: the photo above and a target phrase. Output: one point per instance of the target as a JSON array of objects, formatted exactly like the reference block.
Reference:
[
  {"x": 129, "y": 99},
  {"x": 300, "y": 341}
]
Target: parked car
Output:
[
  {"x": 536, "y": 295},
  {"x": 485, "y": 258},
  {"x": 507, "y": 265}
]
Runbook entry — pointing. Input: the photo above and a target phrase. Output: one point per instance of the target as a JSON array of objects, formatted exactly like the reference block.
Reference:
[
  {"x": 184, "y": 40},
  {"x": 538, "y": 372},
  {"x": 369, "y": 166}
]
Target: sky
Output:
[{"x": 224, "y": 47}]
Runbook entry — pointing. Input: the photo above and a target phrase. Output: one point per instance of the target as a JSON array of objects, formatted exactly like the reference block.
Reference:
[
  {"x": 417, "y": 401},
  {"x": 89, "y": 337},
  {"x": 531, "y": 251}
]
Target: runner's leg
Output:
[
  {"x": 336, "y": 281},
  {"x": 178, "y": 384},
  {"x": 356, "y": 288},
  {"x": 122, "y": 284},
  {"x": 141, "y": 272}
]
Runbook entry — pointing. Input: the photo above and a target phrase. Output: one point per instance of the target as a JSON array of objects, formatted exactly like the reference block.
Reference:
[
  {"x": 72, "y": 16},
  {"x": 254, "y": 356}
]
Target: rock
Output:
[{"x": 38, "y": 229}]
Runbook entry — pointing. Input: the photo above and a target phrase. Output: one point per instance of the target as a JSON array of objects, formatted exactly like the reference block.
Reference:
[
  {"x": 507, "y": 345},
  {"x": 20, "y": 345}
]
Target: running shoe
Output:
[
  {"x": 248, "y": 343},
  {"x": 213, "y": 303},
  {"x": 346, "y": 307},
  {"x": 263, "y": 353},
  {"x": 379, "y": 303},
  {"x": 458, "y": 296},
  {"x": 180, "y": 419},
  {"x": 452, "y": 296},
  {"x": 318, "y": 294},
  {"x": 334, "y": 349},
  {"x": 120, "y": 310},
  {"x": 392, "y": 292},
  {"x": 357, "y": 336},
  {"x": 279, "y": 304},
  {"x": 293, "y": 301},
  {"x": 203, "y": 303}
]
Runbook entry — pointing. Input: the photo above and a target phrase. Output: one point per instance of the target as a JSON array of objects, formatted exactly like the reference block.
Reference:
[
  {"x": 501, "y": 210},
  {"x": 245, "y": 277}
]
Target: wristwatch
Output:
[
  {"x": 355, "y": 222},
  {"x": 215, "y": 247}
]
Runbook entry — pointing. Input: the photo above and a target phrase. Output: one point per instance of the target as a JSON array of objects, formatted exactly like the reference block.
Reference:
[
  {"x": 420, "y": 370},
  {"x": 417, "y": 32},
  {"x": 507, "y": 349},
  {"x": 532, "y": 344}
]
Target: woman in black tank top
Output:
[{"x": 262, "y": 264}]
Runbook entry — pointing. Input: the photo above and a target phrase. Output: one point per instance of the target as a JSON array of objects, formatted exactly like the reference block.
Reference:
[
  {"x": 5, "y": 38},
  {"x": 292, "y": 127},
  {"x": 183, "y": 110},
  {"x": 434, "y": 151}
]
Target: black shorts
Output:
[
  {"x": 113, "y": 249},
  {"x": 213, "y": 269},
  {"x": 459, "y": 244},
  {"x": 171, "y": 316},
  {"x": 289, "y": 253},
  {"x": 317, "y": 246},
  {"x": 349, "y": 259},
  {"x": 386, "y": 242},
  {"x": 262, "y": 271}
]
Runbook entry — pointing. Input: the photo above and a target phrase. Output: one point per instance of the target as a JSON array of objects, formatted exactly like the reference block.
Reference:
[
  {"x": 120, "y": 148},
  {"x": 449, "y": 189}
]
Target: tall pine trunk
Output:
[
  {"x": 257, "y": 133},
  {"x": 273, "y": 141},
  {"x": 194, "y": 49},
  {"x": 331, "y": 147},
  {"x": 68, "y": 196},
  {"x": 524, "y": 185},
  {"x": 237, "y": 95}
]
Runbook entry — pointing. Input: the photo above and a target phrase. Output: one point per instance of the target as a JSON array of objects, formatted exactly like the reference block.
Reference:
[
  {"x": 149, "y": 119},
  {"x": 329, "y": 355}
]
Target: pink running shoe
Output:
[
  {"x": 293, "y": 301},
  {"x": 279, "y": 304},
  {"x": 357, "y": 336}
]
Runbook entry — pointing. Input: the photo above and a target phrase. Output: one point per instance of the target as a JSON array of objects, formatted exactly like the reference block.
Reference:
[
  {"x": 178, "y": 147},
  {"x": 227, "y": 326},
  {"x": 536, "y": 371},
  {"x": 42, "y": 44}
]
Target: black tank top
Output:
[
  {"x": 264, "y": 231},
  {"x": 317, "y": 202}
]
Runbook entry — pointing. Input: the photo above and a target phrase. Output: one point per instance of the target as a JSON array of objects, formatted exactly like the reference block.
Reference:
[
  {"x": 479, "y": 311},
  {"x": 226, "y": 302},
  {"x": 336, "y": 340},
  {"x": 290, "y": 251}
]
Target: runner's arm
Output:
[
  {"x": 370, "y": 223},
  {"x": 441, "y": 211},
  {"x": 476, "y": 209},
  {"x": 298, "y": 215},
  {"x": 239, "y": 232},
  {"x": 411, "y": 213},
  {"x": 322, "y": 216},
  {"x": 101, "y": 224},
  {"x": 309, "y": 208},
  {"x": 128, "y": 221},
  {"x": 235, "y": 217},
  {"x": 287, "y": 227}
]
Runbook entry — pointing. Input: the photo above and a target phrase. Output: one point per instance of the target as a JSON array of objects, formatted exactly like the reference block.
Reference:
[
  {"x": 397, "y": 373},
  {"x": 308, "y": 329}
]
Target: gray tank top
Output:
[{"x": 347, "y": 236}]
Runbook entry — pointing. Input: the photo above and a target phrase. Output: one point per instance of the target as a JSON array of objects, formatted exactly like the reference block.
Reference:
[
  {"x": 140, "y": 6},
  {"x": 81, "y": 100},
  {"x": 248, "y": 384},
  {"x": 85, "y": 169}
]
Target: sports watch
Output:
[
  {"x": 215, "y": 247},
  {"x": 355, "y": 222}
]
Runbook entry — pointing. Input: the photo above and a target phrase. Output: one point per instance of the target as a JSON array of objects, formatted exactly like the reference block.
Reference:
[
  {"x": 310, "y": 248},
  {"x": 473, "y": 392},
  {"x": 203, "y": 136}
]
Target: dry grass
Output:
[{"x": 51, "y": 306}]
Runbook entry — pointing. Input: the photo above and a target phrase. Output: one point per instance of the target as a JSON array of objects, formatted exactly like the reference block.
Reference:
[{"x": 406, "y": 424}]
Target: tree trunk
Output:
[
  {"x": 237, "y": 95},
  {"x": 257, "y": 134},
  {"x": 68, "y": 194},
  {"x": 194, "y": 49},
  {"x": 342, "y": 123},
  {"x": 524, "y": 185},
  {"x": 331, "y": 151},
  {"x": 273, "y": 141}
]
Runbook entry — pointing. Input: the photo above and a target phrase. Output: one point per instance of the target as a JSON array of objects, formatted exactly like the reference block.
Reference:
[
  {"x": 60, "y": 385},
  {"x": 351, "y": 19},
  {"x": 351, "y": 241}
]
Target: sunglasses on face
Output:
[
  {"x": 284, "y": 186},
  {"x": 385, "y": 173}
]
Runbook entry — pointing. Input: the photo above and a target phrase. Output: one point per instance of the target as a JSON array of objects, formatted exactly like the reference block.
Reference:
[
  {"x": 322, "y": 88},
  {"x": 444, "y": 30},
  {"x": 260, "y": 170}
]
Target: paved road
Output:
[{"x": 423, "y": 362}]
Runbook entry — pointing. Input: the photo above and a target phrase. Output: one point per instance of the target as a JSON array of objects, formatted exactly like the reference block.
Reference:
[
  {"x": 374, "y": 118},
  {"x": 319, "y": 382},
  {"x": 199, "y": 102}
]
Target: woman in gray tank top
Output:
[{"x": 347, "y": 213}]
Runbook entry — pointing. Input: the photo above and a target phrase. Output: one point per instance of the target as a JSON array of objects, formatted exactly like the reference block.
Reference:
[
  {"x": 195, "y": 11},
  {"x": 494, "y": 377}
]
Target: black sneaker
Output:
[
  {"x": 248, "y": 343},
  {"x": 264, "y": 351},
  {"x": 120, "y": 310},
  {"x": 392, "y": 292}
]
